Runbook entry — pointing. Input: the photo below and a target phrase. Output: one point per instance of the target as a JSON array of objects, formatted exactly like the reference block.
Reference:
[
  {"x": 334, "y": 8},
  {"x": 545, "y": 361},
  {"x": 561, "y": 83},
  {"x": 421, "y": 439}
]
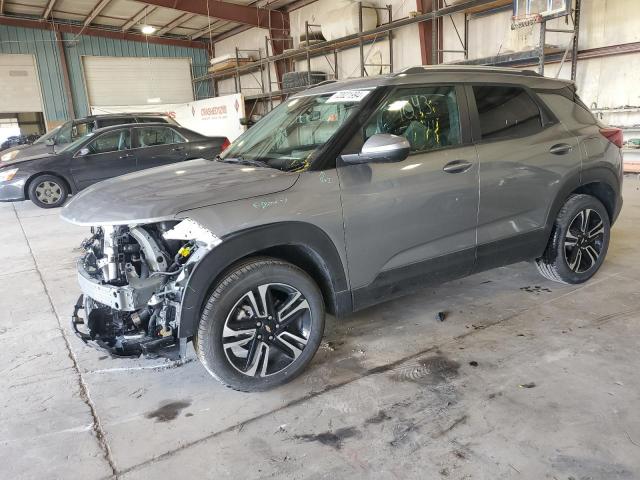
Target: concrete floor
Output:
[{"x": 392, "y": 393}]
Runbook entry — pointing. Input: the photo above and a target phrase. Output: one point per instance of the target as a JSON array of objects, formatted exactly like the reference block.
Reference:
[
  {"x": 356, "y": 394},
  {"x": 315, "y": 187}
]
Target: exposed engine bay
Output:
[{"x": 132, "y": 279}]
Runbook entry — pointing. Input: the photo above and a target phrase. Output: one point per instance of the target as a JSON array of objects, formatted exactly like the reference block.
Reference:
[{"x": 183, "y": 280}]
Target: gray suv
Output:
[{"x": 346, "y": 195}]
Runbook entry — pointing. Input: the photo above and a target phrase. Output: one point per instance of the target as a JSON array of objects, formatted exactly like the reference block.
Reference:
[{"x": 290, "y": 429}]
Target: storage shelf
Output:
[
  {"x": 315, "y": 50},
  {"x": 488, "y": 6},
  {"x": 526, "y": 57}
]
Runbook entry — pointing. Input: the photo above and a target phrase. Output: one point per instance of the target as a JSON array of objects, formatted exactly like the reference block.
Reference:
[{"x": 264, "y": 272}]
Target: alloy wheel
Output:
[
  {"x": 584, "y": 240},
  {"x": 267, "y": 329},
  {"x": 49, "y": 192}
]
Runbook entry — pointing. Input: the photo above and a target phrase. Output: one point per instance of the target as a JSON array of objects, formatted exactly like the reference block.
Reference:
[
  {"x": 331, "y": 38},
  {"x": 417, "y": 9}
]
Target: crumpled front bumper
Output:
[{"x": 128, "y": 298}]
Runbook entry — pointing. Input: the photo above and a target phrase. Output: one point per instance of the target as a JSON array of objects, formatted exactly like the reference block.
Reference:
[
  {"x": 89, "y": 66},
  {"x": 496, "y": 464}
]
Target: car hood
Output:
[
  {"x": 27, "y": 152},
  {"x": 161, "y": 193}
]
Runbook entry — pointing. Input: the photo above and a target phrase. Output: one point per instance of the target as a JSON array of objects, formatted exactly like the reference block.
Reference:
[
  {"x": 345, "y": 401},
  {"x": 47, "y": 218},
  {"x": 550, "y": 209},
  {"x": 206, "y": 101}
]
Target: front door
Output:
[
  {"x": 412, "y": 222},
  {"x": 108, "y": 155},
  {"x": 158, "y": 145}
]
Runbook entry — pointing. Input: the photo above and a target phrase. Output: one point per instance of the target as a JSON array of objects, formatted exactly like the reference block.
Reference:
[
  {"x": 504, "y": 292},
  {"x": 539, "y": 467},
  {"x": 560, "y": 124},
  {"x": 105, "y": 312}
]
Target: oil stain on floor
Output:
[{"x": 168, "y": 411}]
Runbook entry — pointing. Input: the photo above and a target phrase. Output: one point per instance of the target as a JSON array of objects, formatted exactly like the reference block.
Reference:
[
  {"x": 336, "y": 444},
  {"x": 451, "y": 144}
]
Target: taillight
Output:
[
  {"x": 614, "y": 135},
  {"x": 225, "y": 145}
]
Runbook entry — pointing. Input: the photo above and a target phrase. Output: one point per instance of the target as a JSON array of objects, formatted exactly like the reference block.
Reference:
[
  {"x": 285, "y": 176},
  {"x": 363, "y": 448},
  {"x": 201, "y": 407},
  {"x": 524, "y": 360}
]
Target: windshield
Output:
[
  {"x": 48, "y": 135},
  {"x": 290, "y": 135}
]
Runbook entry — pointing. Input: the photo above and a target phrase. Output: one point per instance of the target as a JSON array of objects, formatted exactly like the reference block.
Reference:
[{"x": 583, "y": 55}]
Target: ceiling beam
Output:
[
  {"x": 254, "y": 16},
  {"x": 48, "y": 9},
  {"x": 95, "y": 12},
  {"x": 137, "y": 17},
  {"x": 205, "y": 31},
  {"x": 175, "y": 23},
  {"x": 99, "y": 32}
]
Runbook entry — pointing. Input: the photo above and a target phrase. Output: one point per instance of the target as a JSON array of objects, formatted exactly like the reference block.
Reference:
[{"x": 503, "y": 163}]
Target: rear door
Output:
[
  {"x": 525, "y": 156},
  {"x": 108, "y": 155},
  {"x": 158, "y": 145}
]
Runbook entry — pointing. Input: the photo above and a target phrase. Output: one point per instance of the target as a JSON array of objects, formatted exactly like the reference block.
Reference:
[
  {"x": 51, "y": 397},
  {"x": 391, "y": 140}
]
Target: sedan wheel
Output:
[{"x": 48, "y": 191}]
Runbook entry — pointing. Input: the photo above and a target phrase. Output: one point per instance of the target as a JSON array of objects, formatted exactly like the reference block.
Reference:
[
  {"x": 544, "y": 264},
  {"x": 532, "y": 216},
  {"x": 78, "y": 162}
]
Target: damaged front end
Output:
[{"x": 132, "y": 279}]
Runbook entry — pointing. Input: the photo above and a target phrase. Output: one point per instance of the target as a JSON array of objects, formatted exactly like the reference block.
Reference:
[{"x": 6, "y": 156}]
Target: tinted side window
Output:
[
  {"x": 506, "y": 112},
  {"x": 152, "y": 136},
  {"x": 115, "y": 121},
  {"x": 152, "y": 120},
  {"x": 426, "y": 116},
  {"x": 82, "y": 130},
  {"x": 111, "y": 142},
  {"x": 64, "y": 134}
]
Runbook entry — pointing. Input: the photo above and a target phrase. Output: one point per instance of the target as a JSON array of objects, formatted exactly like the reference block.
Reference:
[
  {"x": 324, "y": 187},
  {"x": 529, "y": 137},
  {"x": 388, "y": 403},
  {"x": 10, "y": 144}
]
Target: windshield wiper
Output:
[{"x": 243, "y": 161}]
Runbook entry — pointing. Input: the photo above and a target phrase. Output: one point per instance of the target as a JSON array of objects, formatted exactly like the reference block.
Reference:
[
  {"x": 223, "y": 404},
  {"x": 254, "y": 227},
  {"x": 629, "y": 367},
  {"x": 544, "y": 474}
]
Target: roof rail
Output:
[
  {"x": 465, "y": 68},
  {"x": 324, "y": 82}
]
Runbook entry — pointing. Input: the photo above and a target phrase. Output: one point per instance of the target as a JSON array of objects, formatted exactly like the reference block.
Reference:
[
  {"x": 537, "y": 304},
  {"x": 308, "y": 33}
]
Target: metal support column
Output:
[
  {"x": 236, "y": 78},
  {"x": 434, "y": 33},
  {"x": 65, "y": 75},
  {"x": 466, "y": 36},
  {"x": 390, "y": 11},
  {"x": 307, "y": 38},
  {"x": 361, "y": 40},
  {"x": 576, "y": 38},
  {"x": 543, "y": 40},
  {"x": 266, "y": 51}
]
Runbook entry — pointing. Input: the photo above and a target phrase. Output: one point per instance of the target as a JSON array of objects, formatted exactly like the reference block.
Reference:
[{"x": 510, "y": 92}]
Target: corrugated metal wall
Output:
[
  {"x": 86, "y": 45},
  {"x": 41, "y": 43}
]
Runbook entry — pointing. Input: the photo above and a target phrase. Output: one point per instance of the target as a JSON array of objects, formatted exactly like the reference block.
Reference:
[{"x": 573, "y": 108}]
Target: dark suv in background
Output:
[
  {"x": 346, "y": 195},
  {"x": 72, "y": 130}
]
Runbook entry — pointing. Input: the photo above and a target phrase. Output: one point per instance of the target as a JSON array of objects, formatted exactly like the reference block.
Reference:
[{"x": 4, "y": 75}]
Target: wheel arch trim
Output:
[{"x": 260, "y": 241}]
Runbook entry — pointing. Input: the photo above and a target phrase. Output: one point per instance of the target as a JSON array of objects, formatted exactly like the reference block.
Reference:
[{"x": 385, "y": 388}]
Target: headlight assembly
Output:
[
  {"x": 7, "y": 175},
  {"x": 9, "y": 156}
]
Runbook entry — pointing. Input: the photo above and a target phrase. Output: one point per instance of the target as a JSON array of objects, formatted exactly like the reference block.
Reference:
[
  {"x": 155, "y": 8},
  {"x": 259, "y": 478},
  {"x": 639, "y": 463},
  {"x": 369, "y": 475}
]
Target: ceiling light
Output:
[{"x": 148, "y": 29}]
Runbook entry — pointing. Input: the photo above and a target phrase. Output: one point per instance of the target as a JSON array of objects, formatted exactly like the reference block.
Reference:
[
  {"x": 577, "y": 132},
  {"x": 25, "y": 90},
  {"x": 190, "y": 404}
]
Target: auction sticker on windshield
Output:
[{"x": 348, "y": 96}]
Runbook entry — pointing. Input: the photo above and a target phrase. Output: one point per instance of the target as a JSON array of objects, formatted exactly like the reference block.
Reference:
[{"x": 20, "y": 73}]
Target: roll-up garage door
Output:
[
  {"x": 19, "y": 85},
  {"x": 114, "y": 81}
]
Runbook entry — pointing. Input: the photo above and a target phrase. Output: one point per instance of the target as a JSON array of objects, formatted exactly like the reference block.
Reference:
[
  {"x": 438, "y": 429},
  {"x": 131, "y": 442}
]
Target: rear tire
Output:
[
  {"x": 579, "y": 241},
  {"x": 48, "y": 191},
  {"x": 261, "y": 325}
]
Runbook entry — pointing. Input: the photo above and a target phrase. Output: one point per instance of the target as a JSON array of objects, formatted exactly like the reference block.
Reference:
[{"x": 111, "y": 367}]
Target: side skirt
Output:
[
  {"x": 404, "y": 280},
  {"x": 523, "y": 247}
]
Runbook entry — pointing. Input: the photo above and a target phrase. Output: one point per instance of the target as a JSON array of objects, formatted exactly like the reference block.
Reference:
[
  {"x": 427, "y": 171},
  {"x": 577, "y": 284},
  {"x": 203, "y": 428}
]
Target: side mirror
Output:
[
  {"x": 249, "y": 121},
  {"x": 50, "y": 142},
  {"x": 381, "y": 148},
  {"x": 83, "y": 152}
]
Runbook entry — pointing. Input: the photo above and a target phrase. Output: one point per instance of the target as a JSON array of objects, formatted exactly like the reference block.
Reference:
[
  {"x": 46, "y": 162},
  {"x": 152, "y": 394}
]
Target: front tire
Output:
[
  {"x": 48, "y": 191},
  {"x": 579, "y": 241},
  {"x": 261, "y": 325}
]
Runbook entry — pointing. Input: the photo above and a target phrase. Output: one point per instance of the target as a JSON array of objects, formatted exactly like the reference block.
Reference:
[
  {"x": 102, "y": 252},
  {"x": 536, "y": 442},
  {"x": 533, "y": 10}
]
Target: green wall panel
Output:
[{"x": 42, "y": 44}]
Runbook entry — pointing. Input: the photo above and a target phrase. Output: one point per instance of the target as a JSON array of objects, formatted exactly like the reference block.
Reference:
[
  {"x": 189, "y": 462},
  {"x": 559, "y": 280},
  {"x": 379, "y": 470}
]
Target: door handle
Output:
[
  {"x": 126, "y": 155},
  {"x": 457, "y": 166},
  {"x": 561, "y": 149},
  {"x": 177, "y": 149}
]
